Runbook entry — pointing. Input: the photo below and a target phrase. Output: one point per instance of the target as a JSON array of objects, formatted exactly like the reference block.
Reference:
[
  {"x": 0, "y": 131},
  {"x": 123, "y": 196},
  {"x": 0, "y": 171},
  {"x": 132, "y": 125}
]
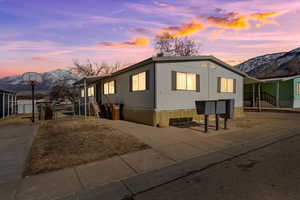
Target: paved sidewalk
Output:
[
  {"x": 15, "y": 143},
  {"x": 132, "y": 187},
  {"x": 175, "y": 152}
]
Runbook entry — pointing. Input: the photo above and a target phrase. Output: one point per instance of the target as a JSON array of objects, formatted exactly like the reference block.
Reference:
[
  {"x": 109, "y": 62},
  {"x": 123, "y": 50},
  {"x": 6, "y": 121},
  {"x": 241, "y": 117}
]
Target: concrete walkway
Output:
[
  {"x": 137, "y": 186},
  {"x": 170, "y": 147},
  {"x": 15, "y": 143}
]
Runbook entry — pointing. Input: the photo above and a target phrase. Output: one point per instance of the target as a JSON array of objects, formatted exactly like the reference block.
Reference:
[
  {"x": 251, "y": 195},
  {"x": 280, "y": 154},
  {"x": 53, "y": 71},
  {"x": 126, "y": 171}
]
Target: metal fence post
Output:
[
  {"x": 8, "y": 104},
  {"x": 85, "y": 99},
  {"x": 12, "y": 104},
  {"x": 79, "y": 110},
  {"x": 3, "y": 105}
]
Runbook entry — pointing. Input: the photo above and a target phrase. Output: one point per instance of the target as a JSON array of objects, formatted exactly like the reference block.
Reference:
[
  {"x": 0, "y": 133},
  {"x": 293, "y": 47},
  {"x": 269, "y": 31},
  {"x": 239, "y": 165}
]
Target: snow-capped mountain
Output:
[
  {"x": 15, "y": 83},
  {"x": 259, "y": 61},
  {"x": 272, "y": 65}
]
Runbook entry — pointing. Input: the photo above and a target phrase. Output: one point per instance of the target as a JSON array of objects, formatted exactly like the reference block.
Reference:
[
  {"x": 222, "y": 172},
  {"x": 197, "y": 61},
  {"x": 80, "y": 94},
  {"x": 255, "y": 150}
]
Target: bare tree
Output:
[
  {"x": 93, "y": 68},
  {"x": 64, "y": 90},
  {"x": 169, "y": 45}
]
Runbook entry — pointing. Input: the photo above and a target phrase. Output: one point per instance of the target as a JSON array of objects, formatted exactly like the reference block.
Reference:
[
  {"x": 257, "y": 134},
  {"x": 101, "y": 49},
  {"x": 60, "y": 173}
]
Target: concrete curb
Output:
[{"x": 126, "y": 189}]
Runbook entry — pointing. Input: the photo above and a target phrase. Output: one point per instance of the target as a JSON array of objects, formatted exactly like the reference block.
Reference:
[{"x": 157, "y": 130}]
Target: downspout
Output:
[
  {"x": 155, "y": 93},
  {"x": 208, "y": 73}
]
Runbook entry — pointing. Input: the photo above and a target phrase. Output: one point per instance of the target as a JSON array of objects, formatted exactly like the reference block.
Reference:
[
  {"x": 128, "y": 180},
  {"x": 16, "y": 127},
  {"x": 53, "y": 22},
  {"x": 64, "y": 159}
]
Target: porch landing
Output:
[{"x": 273, "y": 109}]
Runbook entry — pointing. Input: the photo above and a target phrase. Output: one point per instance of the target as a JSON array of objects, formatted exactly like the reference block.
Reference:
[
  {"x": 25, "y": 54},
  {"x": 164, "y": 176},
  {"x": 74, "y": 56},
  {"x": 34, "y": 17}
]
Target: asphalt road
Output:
[{"x": 271, "y": 173}]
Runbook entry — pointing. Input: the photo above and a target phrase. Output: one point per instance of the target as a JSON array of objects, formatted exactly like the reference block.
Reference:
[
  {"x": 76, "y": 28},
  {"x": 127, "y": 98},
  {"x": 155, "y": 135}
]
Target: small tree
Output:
[
  {"x": 168, "y": 45},
  {"x": 64, "y": 90},
  {"x": 94, "y": 69}
]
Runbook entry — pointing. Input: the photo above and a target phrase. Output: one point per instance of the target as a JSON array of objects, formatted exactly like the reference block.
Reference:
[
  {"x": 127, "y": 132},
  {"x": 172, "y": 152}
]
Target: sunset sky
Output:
[{"x": 43, "y": 35}]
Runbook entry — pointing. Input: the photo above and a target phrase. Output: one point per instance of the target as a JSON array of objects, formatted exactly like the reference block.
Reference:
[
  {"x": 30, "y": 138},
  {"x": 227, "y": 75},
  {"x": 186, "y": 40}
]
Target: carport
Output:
[
  {"x": 8, "y": 103},
  {"x": 256, "y": 91}
]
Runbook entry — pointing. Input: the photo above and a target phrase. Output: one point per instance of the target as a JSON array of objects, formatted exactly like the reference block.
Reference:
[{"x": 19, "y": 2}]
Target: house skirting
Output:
[
  {"x": 296, "y": 103},
  {"x": 140, "y": 116},
  {"x": 162, "y": 118}
]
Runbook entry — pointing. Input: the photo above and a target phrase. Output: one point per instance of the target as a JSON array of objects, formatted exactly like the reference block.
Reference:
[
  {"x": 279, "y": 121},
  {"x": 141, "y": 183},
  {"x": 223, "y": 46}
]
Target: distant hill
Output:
[
  {"x": 16, "y": 84},
  {"x": 272, "y": 65}
]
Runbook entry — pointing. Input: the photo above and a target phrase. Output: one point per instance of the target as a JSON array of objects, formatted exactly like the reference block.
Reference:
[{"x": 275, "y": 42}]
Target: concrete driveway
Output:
[
  {"x": 15, "y": 143},
  {"x": 170, "y": 147},
  {"x": 180, "y": 144}
]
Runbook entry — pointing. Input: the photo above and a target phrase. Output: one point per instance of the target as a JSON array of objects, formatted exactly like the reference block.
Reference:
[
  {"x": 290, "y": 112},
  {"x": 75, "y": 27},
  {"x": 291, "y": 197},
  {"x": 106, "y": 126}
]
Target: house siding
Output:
[
  {"x": 296, "y": 103},
  {"x": 159, "y": 103},
  {"x": 138, "y": 100},
  {"x": 168, "y": 99}
]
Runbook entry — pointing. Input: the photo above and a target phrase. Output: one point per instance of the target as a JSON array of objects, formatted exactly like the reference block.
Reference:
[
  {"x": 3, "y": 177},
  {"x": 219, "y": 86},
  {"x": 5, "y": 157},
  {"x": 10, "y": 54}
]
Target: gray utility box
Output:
[
  {"x": 206, "y": 107},
  {"x": 229, "y": 108},
  {"x": 220, "y": 107}
]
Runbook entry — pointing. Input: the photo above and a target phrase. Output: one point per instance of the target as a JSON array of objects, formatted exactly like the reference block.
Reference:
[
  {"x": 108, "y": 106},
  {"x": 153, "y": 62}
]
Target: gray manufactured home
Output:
[{"x": 159, "y": 89}]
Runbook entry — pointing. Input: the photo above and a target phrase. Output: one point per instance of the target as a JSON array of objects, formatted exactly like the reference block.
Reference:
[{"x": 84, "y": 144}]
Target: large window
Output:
[
  {"x": 227, "y": 85},
  {"x": 91, "y": 91},
  {"x": 109, "y": 87},
  {"x": 138, "y": 81},
  {"x": 186, "y": 81},
  {"x": 298, "y": 88}
]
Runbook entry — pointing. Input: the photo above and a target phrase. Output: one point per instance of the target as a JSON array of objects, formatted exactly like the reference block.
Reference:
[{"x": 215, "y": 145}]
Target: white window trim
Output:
[
  {"x": 109, "y": 88},
  {"x": 227, "y": 89},
  {"x": 138, "y": 81},
  {"x": 186, "y": 80}
]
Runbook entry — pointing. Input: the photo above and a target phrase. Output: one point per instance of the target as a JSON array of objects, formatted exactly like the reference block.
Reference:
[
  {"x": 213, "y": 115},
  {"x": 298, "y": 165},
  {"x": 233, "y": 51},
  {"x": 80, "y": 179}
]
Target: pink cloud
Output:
[
  {"x": 40, "y": 58},
  {"x": 164, "y": 5}
]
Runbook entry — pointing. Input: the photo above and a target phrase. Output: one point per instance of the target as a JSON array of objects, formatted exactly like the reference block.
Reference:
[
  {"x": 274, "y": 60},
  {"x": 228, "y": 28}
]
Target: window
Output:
[
  {"x": 91, "y": 91},
  {"x": 227, "y": 85},
  {"x": 186, "y": 81},
  {"x": 109, "y": 87},
  {"x": 82, "y": 93},
  {"x": 138, "y": 82},
  {"x": 298, "y": 88}
]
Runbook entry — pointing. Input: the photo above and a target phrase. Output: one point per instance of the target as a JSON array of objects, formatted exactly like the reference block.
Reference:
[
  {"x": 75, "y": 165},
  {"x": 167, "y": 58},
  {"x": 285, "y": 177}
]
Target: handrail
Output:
[
  {"x": 268, "y": 98},
  {"x": 265, "y": 96}
]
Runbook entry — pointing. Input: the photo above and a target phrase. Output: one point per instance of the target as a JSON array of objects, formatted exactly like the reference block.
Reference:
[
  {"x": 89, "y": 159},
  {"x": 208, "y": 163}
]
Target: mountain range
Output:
[
  {"x": 50, "y": 79},
  {"x": 266, "y": 66},
  {"x": 272, "y": 65}
]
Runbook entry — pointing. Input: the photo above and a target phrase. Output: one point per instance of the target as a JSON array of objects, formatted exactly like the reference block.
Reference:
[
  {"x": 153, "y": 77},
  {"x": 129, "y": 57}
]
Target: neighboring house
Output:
[
  {"x": 275, "y": 92},
  {"x": 7, "y": 103},
  {"x": 162, "y": 88},
  {"x": 25, "y": 105}
]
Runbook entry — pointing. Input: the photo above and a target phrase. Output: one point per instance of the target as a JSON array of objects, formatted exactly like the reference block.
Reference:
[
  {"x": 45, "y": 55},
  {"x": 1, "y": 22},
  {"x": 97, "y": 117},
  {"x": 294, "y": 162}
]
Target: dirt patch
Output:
[{"x": 69, "y": 142}]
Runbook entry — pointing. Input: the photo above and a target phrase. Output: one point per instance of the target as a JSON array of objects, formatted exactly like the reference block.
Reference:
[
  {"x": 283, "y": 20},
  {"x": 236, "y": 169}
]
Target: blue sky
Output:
[{"x": 44, "y": 35}]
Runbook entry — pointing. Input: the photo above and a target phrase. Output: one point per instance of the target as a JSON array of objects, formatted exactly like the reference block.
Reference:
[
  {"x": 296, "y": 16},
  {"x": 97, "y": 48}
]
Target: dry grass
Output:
[
  {"x": 24, "y": 119},
  {"x": 66, "y": 143}
]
